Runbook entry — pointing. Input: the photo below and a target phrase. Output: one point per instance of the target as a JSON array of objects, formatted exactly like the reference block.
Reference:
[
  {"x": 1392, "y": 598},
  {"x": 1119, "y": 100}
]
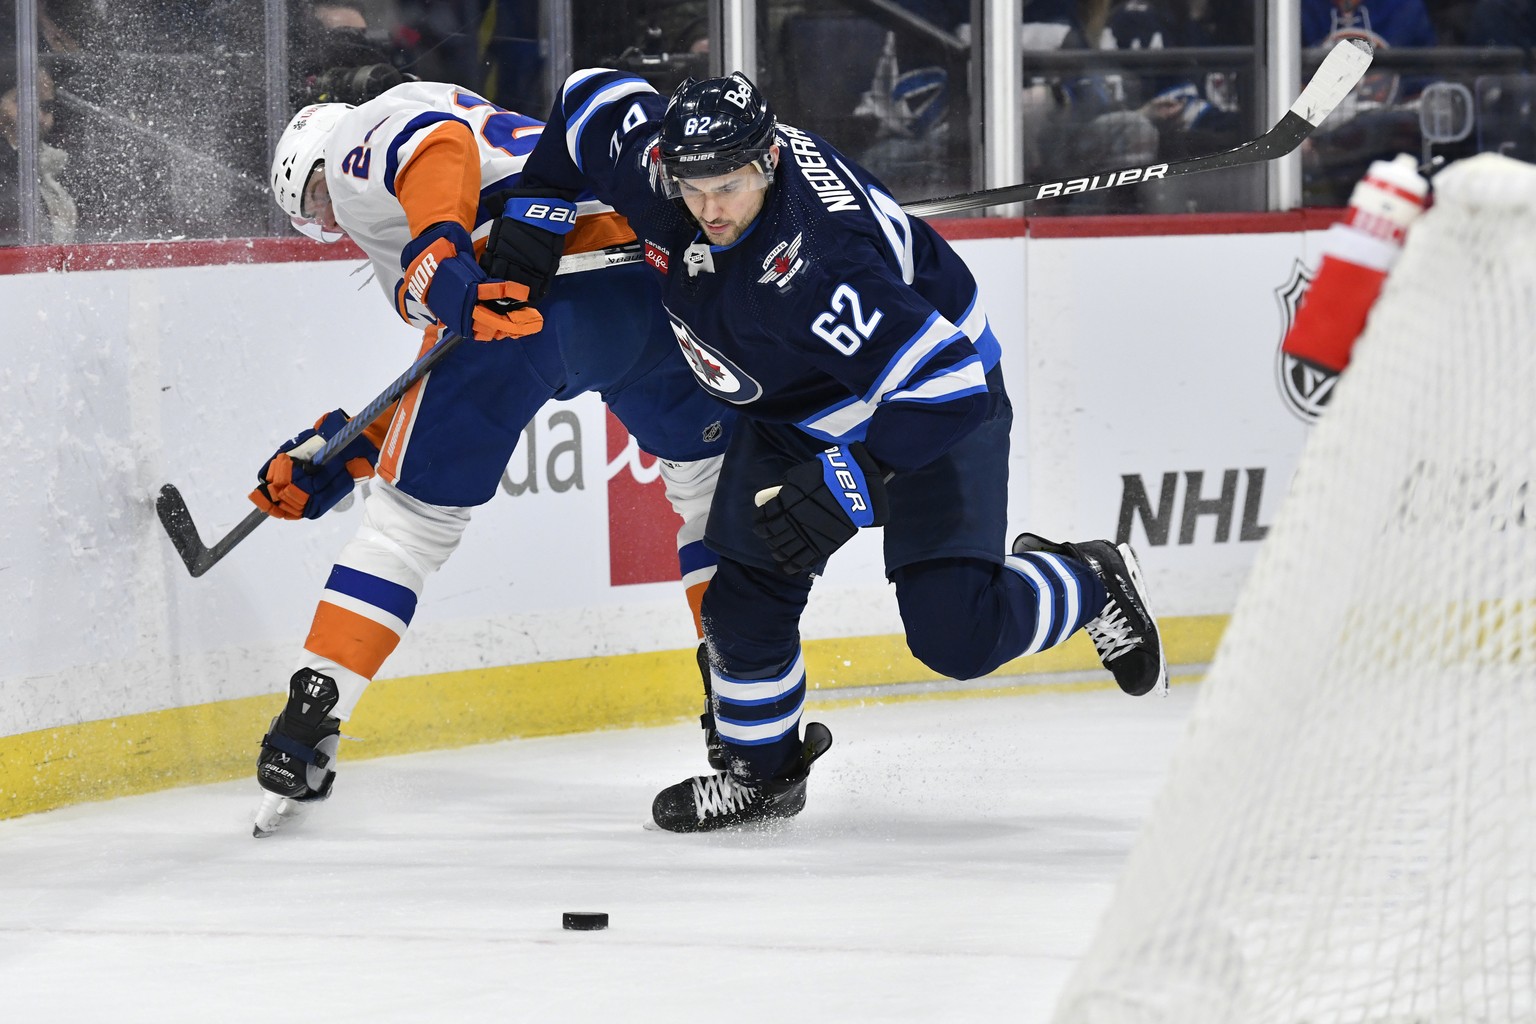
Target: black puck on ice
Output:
[{"x": 583, "y": 921}]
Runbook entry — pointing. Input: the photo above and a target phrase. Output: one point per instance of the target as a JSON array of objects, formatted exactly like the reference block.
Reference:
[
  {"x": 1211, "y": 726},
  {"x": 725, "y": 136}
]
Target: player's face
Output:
[
  {"x": 316, "y": 203},
  {"x": 727, "y": 204}
]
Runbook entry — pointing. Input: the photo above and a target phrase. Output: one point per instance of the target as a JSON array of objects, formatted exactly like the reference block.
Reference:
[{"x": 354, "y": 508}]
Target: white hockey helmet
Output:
[{"x": 301, "y": 147}]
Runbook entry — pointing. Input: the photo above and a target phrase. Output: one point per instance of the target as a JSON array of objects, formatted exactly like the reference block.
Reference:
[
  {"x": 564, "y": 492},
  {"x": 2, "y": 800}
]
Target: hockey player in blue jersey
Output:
[{"x": 853, "y": 342}]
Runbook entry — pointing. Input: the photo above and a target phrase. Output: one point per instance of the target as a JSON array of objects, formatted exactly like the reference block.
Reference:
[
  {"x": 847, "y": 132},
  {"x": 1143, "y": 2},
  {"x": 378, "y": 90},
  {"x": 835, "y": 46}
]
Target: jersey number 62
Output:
[{"x": 846, "y": 338}]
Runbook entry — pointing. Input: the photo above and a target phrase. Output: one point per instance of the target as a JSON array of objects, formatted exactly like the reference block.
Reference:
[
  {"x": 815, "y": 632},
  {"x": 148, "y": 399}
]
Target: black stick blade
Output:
[{"x": 177, "y": 520}]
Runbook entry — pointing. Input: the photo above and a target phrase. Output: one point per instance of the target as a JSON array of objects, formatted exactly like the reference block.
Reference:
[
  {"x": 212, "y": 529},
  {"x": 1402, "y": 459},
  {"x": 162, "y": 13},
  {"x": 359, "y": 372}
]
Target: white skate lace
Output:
[
  {"x": 720, "y": 794},
  {"x": 1111, "y": 633}
]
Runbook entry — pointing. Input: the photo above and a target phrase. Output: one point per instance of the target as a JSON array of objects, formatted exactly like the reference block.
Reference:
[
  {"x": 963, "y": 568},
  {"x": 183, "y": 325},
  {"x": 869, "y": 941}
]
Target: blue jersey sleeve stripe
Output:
[
  {"x": 842, "y": 422},
  {"x": 404, "y": 135},
  {"x": 936, "y": 334},
  {"x": 393, "y": 598},
  {"x": 602, "y": 98},
  {"x": 975, "y": 325}
]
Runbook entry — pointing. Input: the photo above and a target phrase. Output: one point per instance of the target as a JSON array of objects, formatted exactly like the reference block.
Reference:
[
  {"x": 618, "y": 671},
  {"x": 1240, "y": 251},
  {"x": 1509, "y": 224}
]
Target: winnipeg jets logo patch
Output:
[
  {"x": 719, "y": 376},
  {"x": 782, "y": 263}
]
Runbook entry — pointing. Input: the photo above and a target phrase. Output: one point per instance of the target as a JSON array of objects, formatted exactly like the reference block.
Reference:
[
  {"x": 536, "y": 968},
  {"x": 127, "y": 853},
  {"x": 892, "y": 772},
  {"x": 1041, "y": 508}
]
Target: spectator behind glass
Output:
[
  {"x": 1376, "y": 121},
  {"x": 1503, "y": 23},
  {"x": 1191, "y": 116},
  {"x": 331, "y": 57},
  {"x": 58, "y": 216}
]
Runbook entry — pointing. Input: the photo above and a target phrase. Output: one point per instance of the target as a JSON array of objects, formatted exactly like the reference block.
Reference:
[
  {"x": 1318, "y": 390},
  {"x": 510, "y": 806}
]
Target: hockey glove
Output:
[
  {"x": 820, "y": 506},
  {"x": 528, "y": 239},
  {"x": 441, "y": 273},
  {"x": 292, "y": 487}
]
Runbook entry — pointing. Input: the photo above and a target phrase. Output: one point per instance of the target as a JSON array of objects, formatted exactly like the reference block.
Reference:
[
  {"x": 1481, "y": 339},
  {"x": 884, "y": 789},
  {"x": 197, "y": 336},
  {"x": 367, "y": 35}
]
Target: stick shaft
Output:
[{"x": 1339, "y": 73}]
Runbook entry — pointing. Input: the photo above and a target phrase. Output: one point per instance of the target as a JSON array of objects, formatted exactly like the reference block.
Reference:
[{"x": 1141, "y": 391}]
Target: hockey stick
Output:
[
  {"x": 172, "y": 507},
  {"x": 177, "y": 518},
  {"x": 1338, "y": 74}
]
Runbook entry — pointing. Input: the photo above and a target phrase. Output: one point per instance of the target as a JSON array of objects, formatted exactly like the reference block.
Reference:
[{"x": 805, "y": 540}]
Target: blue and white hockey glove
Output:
[
  {"x": 528, "y": 239},
  {"x": 293, "y": 487},
  {"x": 820, "y": 506},
  {"x": 441, "y": 274}
]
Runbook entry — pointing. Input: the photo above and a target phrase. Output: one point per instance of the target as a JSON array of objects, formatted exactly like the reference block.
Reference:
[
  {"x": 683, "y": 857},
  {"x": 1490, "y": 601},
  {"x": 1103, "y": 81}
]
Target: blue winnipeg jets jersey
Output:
[{"x": 834, "y": 312}]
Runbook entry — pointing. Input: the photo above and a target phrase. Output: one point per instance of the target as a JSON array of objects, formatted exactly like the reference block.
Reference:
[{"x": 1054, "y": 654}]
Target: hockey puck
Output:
[{"x": 583, "y": 921}]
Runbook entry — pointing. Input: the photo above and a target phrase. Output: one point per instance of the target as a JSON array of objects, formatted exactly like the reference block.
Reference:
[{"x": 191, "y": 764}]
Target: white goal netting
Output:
[{"x": 1348, "y": 832}]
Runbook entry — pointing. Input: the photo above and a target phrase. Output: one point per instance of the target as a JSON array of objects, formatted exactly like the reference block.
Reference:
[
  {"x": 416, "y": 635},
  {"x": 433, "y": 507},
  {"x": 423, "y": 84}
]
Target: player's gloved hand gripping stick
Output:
[
  {"x": 177, "y": 518},
  {"x": 524, "y": 248},
  {"x": 294, "y": 486},
  {"x": 820, "y": 505}
]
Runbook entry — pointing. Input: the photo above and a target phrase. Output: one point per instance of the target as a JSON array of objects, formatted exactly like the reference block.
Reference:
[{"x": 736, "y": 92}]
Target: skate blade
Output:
[{"x": 274, "y": 812}]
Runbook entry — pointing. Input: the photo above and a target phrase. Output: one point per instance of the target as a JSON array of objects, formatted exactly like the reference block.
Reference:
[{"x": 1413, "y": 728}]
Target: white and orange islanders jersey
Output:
[{"x": 427, "y": 152}]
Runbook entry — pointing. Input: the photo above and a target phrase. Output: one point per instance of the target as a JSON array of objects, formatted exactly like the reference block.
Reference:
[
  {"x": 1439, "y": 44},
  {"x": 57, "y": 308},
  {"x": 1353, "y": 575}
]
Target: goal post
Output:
[{"x": 1347, "y": 832}]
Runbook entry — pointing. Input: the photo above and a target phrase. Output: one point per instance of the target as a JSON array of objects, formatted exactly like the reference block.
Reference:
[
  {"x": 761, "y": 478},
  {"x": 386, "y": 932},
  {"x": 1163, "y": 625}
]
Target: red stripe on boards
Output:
[{"x": 42, "y": 259}]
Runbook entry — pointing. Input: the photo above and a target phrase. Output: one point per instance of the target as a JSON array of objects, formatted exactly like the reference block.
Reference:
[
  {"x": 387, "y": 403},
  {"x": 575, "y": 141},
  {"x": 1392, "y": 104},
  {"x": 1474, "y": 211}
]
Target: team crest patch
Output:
[
  {"x": 782, "y": 263},
  {"x": 719, "y": 376}
]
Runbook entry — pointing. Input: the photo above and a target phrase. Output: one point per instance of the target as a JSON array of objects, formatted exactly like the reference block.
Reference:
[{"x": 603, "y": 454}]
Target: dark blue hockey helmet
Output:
[{"x": 712, "y": 127}]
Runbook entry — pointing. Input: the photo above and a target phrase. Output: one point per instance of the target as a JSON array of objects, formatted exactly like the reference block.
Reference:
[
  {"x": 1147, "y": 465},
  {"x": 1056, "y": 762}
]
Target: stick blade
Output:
[
  {"x": 177, "y": 520},
  {"x": 1336, "y": 78}
]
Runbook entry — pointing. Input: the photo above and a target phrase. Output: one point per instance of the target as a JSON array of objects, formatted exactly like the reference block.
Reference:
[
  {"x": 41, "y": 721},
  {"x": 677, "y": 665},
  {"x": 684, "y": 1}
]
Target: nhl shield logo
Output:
[
  {"x": 1305, "y": 389},
  {"x": 720, "y": 377}
]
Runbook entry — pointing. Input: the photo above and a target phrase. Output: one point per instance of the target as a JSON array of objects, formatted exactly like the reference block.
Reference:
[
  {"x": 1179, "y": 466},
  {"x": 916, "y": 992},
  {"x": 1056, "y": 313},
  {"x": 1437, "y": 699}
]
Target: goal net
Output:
[{"x": 1348, "y": 830}]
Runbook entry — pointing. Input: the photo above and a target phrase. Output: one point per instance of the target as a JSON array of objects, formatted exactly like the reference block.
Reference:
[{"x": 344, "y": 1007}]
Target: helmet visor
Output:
[{"x": 697, "y": 181}]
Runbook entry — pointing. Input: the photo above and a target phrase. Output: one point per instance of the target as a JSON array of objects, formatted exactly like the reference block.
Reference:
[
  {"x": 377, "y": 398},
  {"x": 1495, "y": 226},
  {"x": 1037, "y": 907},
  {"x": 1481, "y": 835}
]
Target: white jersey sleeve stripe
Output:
[
  {"x": 964, "y": 378},
  {"x": 597, "y": 101},
  {"x": 937, "y": 333}
]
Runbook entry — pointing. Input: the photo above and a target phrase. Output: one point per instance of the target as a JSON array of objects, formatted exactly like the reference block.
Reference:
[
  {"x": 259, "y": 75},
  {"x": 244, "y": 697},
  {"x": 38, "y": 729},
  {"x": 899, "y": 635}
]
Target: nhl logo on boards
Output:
[
  {"x": 1305, "y": 389},
  {"x": 782, "y": 263}
]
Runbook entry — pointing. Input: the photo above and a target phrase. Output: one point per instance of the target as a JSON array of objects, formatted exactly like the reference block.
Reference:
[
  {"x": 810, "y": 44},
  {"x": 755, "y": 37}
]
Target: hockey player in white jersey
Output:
[
  {"x": 854, "y": 343},
  {"x": 421, "y": 178}
]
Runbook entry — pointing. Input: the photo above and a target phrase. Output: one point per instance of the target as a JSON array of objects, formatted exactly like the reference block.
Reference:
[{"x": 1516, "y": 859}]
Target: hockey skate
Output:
[
  {"x": 296, "y": 765},
  {"x": 714, "y": 750},
  {"x": 1124, "y": 632},
  {"x": 707, "y": 802}
]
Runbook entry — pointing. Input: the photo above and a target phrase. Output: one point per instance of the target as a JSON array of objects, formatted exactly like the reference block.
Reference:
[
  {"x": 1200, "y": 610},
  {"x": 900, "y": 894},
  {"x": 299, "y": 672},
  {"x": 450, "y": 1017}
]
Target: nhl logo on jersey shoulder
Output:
[
  {"x": 699, "y": 259},
  {"x": 657, "y": 255},
  {"x": 782, "y": 263}
]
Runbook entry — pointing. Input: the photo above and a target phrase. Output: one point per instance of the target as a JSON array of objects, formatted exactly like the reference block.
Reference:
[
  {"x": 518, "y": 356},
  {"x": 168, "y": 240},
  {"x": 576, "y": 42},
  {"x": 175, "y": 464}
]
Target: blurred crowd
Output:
[{"x": 153, "y": 116}]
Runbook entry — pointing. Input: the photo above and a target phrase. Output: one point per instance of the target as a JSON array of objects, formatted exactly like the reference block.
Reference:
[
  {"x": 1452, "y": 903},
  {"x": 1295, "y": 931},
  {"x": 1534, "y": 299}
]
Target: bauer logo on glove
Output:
[{"x": 820, "y": 505}]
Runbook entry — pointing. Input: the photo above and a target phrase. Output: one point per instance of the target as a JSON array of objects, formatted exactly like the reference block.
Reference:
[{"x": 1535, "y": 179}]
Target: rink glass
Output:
[{"x": 166, "y": 110}]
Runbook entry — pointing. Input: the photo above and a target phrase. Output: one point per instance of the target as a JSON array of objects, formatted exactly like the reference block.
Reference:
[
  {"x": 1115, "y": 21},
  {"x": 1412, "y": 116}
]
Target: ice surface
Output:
[{"x": 950, "y": 866}]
